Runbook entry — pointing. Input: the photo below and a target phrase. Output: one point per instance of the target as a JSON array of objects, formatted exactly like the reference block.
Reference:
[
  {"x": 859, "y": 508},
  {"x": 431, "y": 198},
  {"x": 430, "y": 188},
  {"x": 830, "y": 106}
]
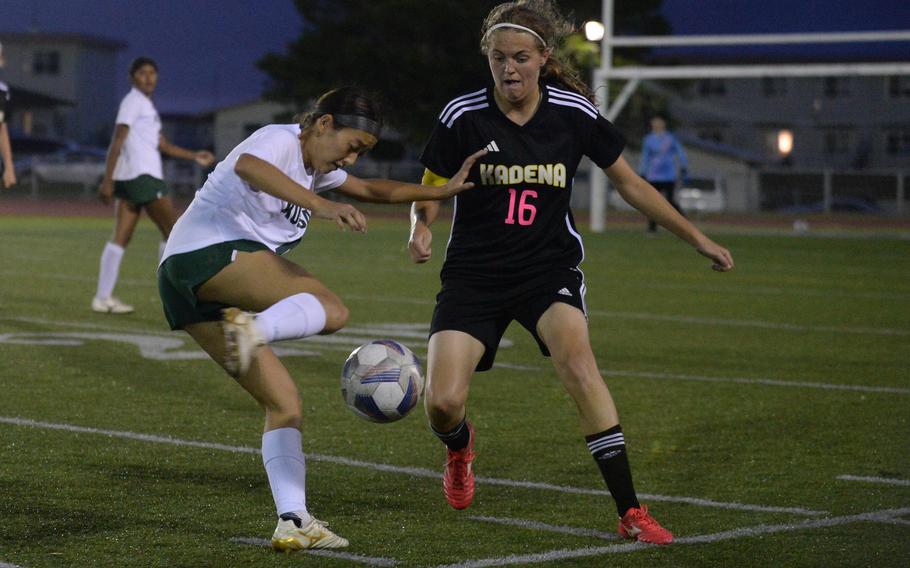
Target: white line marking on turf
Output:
[
  {"x": 745, "y": 381},
  {"x": 875, "y": 516},
  {"x": 749, "y": 323},
  {"x": 739, "y": 380},
  {"x": 884, "y": 480},
  {"x": 5, "y": 565},
  {"x": 369, "y": 560},
  {"x": 685, "y": 319},
  {"x": 412, "y": 471},
  {"x": 774, "y": 291},
  {"x": 356, "y": 335},
  {"x": 538, "y": 526}
]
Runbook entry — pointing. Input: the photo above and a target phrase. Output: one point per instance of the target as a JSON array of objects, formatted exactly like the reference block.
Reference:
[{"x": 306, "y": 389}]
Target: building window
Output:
[
  {"x": 712, "y": 88},
  {"x": 774, "y": 86},
  {"x": 836, "y": 141},
  {"x": 46, "y": 63},
  {"x": 712, "y": 132},
  {"x": 899, "y": 86},
  {"x": 836, "y": 87},
  {"x": 897, "y": 142}
]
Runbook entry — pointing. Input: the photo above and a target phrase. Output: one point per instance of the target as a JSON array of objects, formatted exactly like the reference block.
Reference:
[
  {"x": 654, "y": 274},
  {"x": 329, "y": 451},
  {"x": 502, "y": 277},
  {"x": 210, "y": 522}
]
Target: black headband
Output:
[{"x": 358, "y": 122}]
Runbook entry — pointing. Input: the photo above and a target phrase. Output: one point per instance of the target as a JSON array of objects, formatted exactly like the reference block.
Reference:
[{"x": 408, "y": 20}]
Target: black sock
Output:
[
  {"x": 457, "y": 439},
  {"x": 609, "y": 451}
]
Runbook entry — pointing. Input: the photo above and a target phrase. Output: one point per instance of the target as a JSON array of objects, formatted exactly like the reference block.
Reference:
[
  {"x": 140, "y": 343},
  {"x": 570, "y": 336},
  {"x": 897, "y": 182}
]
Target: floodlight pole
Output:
[{"x": 598, "y": 181}]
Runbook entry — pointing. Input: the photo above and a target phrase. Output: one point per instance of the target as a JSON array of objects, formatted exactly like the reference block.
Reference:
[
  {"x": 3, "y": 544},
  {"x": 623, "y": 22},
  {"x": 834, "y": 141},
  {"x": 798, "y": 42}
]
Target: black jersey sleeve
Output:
[
  {"x": 442, "y": 154},
  {"x": 605, "y": 142},
  {"x": 4, "y": 103}
]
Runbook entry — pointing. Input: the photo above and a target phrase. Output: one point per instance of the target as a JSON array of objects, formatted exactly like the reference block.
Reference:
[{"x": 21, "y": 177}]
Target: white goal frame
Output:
[{"x": 635, "y": 74}]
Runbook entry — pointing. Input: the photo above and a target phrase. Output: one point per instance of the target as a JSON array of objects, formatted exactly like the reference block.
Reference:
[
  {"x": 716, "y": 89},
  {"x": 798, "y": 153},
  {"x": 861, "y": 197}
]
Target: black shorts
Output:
[{"x": 484, "y": 311}]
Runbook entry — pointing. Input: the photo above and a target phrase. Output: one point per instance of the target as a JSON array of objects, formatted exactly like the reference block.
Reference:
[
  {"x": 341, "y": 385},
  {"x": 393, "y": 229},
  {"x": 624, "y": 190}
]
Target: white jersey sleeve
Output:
[
  {"x": 130, "y": 109},
  {"x": 228, "y": 208}
]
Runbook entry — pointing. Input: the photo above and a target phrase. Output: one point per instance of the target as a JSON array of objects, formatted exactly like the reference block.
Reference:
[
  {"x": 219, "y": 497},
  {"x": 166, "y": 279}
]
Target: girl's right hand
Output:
[
  {"x": 344, "y": 215},
  {"x": 419, "y": 243},
  {"x": 106, "y": 190}
]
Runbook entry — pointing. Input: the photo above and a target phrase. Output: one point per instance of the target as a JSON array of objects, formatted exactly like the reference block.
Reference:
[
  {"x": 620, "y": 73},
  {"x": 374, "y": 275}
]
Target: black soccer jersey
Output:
[
  {"x": 4, "y": 101},
  {"x": 516, "y": 222}
]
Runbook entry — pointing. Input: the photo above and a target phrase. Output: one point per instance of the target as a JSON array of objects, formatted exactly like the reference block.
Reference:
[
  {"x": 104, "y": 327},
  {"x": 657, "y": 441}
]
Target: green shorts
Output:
[
  {"x": 141, "y": 190},
  {"x": 181, "y": 275}
]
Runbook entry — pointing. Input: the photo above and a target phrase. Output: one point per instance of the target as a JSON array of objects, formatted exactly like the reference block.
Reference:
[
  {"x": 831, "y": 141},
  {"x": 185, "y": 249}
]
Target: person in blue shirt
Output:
[{"x": 663, "y": 162}]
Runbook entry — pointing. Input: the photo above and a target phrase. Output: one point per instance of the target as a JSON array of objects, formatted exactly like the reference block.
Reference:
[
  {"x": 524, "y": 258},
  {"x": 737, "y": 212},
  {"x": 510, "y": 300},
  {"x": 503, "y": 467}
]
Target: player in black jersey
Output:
[
  {"x": 6, "y": 152},
  {"x": 514, "y": 250}
]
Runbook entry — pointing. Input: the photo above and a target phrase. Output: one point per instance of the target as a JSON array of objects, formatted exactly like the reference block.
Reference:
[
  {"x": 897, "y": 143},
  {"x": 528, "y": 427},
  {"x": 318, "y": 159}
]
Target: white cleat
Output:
[
  {"x": 242, "y": 341},
  {"x": 315, "y": 534},
  {"x": 110, "y": 305}
]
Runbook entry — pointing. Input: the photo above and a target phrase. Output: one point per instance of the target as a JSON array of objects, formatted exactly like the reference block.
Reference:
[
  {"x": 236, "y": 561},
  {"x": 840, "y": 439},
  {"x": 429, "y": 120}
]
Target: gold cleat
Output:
[{"x": 289, "y": 536}]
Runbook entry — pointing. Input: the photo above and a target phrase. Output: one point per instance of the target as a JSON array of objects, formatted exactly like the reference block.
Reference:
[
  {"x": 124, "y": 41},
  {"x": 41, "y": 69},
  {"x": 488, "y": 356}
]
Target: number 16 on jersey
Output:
[{"x": 525, "y": 211}]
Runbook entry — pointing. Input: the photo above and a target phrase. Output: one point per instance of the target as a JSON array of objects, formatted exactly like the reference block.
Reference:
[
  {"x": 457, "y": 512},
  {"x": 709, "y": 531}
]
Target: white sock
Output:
[
  {"x": 298, "y": 316},
  {"x": 110, "y": 268},
  {"x": 161, "y": 246},
  {"x": 285, "y": 465}
]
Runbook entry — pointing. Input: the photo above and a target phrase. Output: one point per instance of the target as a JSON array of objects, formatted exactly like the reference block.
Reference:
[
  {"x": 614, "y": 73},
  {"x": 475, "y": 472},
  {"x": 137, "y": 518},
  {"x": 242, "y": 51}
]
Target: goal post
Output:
[{"x": 635, "y": 74}]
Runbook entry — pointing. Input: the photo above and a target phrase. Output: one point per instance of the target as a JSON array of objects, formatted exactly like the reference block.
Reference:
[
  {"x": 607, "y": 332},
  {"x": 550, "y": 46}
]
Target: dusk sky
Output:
[{"x": 207, "y": 49}]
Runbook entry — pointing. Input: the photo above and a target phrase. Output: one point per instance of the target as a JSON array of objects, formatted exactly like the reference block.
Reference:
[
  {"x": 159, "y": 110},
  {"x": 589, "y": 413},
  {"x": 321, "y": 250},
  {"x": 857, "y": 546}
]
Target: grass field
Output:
[{"x": 746, "y": 398}]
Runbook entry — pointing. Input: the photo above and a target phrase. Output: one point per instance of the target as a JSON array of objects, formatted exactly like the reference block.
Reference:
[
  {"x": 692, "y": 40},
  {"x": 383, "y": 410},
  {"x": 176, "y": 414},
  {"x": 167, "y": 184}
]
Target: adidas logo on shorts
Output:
[{"x": 565, "y": 292}]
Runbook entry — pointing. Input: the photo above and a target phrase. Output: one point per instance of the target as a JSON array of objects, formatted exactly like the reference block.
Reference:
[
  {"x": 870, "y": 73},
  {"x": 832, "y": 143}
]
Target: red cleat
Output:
[
  {"x": 638, "y": 525},
  {"x": 458, "y": 480}
]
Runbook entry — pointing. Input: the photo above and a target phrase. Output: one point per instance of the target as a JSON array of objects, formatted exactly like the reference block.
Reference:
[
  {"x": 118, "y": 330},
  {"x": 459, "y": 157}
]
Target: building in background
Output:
[
  {"x": 840, "y": 122},
  {"x": 76, "y": 68},
  {"x": 232, "y": 124}
]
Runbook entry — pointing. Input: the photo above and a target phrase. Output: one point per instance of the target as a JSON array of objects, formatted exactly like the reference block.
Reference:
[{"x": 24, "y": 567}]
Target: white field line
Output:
[
  {"x": 774, "y": 291},
  {"x": 883, "y": 480},
  {"x": 368, "y": 560},
  {"x": 885, "y": 516},
  {"x": 149, "y": 282},
  {"x": 749, "y": 323},
  {"x": 745, "y": 381},
  {"x": 412, "y": 471},
  {"x": 6, "y": 565},
  {"x": 686, "y": 319},
  {"x": 758, "y": 290},
  {"x": 739, "y": 380},
  {"x": 538, "y": 526},
  {"x": 344, "y": 341}
]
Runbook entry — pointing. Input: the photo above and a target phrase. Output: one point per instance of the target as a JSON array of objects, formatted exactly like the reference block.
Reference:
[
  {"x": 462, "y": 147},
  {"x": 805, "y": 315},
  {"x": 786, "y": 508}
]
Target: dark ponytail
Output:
[
  {"x": 544, "y": 17},
  {"x": 345, "y": 101}
]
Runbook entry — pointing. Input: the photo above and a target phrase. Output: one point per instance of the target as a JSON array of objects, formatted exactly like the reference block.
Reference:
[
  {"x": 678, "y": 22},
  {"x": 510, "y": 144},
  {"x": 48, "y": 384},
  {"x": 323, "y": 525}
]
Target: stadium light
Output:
[
  {"x": 785, "y": 142},
  {"x": 594, "y": 30}
]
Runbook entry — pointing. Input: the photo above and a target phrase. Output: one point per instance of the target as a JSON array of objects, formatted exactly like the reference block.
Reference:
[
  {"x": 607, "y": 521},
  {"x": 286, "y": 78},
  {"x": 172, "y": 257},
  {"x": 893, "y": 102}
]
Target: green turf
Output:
[{"x": 825, "y": 311}]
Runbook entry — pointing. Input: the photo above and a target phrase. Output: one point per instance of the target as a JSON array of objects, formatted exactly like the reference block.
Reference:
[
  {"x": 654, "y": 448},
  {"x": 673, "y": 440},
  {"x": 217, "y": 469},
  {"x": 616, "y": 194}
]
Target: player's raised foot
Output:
[
  {"x": 110, "y": 305},
  {"x": 639, "y": 525},
  {"x": 458, "y": 480},
  {"x": 242, "y": 340},
  {"x": 292, "y": 534}
]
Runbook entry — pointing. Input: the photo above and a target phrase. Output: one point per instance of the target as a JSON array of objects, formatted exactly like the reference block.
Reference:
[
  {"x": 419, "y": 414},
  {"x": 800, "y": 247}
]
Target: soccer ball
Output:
[{"x": 381, "y": 381}]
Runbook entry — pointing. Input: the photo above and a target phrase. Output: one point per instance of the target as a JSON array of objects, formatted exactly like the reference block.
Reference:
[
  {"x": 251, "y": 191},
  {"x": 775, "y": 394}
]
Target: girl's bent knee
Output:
[{"x": 336, "y": 316}]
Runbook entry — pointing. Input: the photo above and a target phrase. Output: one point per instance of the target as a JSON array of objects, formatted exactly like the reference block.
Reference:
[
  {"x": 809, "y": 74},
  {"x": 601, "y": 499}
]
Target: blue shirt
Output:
[{"x": 659, "y": 157}]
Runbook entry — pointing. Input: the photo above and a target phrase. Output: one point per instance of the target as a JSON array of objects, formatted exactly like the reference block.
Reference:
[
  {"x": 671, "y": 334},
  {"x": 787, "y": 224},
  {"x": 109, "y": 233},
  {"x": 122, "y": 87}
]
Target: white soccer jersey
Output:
[
  {"x": 139, "y": 154},
  {"x": 227, "y": 208}
]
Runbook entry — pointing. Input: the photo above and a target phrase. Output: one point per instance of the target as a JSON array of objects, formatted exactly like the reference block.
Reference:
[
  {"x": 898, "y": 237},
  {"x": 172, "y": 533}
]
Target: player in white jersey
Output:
[
  {"x": 222, "y": 263},
  {"x": 134, "y": 176},
  {"x": 6, "y": 151}
]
